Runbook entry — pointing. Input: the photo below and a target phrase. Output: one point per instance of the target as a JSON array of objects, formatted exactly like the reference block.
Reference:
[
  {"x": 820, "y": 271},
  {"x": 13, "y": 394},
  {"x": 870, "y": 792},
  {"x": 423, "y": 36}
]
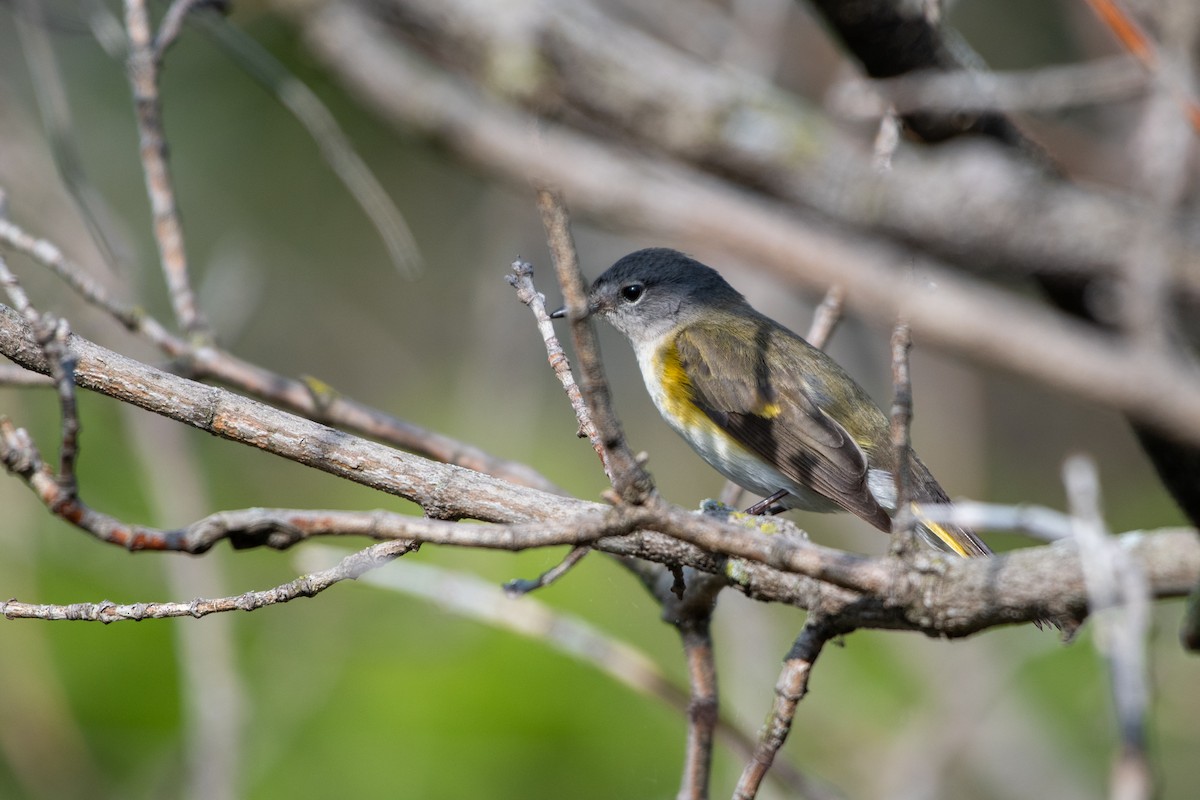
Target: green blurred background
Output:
[{"x": 368, "y": 693}]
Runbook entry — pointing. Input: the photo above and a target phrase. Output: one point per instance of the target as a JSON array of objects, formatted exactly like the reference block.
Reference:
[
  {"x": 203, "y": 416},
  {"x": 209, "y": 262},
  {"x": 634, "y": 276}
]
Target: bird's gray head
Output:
[{"x": 649, "y": 292}]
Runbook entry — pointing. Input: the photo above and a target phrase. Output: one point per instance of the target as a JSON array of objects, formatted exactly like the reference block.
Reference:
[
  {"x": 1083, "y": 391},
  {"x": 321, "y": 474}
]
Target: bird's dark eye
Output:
[{"x": 633, "y": 292}]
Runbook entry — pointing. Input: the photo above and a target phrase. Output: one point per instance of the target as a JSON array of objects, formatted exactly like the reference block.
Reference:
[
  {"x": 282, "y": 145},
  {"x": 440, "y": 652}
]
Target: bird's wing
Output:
[{"x": 771, "y": 413}]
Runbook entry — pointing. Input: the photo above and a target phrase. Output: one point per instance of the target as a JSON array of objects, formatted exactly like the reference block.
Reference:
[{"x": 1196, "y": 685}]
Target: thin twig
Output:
[
  {"x": 143, "y": 65},
  {"x": 521, "y": 279},
  {"x": 51, "y": 336},
  {"x": 789, "y": 691},
  {"x": 1118, "y": 599},
  {"x": 903, "y": 521},
  {"x": 627, "y": 475},
  {"x": 349, "y": 568},
  {"x": 172, "y": 24},
  {"x": 826, "y": 317},
  {"x": 703, "y": 706},
  {"x": 521, "y": 586}
]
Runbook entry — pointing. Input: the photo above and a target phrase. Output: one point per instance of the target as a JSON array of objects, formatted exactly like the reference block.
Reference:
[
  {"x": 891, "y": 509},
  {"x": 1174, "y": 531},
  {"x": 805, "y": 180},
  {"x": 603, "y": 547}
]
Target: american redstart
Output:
[{"x": 765, "y": 408}]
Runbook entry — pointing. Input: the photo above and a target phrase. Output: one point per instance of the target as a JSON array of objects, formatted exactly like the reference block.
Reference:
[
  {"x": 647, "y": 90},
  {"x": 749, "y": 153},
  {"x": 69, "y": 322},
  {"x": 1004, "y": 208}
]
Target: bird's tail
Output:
[
  {"x": 943, "y": 536},
  {"x": 951, "y": 538}
]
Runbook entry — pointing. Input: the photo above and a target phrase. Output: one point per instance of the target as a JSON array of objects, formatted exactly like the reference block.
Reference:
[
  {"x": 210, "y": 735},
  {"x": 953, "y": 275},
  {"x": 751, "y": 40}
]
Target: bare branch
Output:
[
  {"x": 521, "y": 279},
  {"x": 350, "y": 568},
  {"x": 826, "y": 317},
  {"x": 972, "y": 594},
  {"x": 143, "y": 67},
  {"x": 522, "y": 586},
  {"x": 51, "y": 335},
  {"x": 703, "y": 705},
  {"x": 442, "y": 490},
  {"x": 790, "y": 689},
  {"x": 585, "y": 59},
  {"x": 14, "y": 376},
  {"x": 629, "y": 478}
]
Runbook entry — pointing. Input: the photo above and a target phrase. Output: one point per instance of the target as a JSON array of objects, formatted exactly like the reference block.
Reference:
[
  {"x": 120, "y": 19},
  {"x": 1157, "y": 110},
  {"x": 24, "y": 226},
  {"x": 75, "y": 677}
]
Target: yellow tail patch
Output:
[{"x": 939, "y": 532}]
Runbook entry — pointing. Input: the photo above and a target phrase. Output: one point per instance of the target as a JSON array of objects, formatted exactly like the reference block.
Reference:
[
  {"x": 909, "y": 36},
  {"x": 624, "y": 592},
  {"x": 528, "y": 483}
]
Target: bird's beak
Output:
[{"x": 562, "y": 312}]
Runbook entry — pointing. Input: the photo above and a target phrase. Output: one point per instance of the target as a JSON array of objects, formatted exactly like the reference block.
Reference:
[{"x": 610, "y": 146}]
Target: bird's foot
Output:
[{"x": 769, "y": 506}]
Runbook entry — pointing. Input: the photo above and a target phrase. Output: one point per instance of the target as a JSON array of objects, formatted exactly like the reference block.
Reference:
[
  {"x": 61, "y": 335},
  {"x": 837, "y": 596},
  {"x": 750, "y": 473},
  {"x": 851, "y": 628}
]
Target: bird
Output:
[{"x": 761, "y": 405}]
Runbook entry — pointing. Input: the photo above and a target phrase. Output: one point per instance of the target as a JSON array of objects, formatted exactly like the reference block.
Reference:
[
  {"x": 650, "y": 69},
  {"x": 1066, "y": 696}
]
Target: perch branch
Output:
[{"x": 971, "y": 594}]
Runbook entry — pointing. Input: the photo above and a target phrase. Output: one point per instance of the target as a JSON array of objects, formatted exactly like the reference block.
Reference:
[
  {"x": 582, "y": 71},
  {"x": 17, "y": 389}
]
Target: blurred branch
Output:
[
  {"x": 1045, "y": 88},
  {"x": 989, "y": 325},
  {"x": 18, "y": 377},
  {"x": 1131, "y": 36},
  {"x": 904, "y": 541},
  {"x": 826, "y": 317},
  {"x": 566, "y": 61},
  {"x": 215, "y": 703},
  {"x": 323, "y": 127},
  {"x": 172, "y": 23},
  {"x": 1119, "y": 602},
  {"x": 61, "y": 132}
]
